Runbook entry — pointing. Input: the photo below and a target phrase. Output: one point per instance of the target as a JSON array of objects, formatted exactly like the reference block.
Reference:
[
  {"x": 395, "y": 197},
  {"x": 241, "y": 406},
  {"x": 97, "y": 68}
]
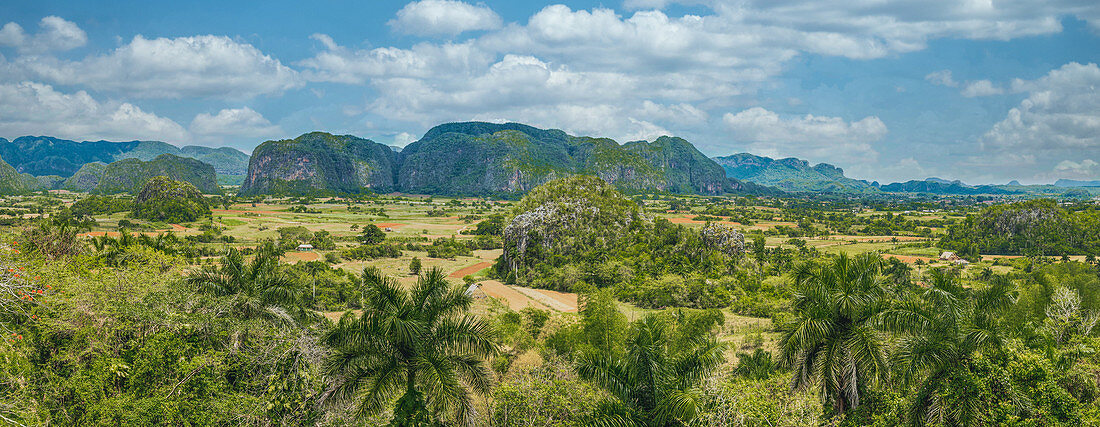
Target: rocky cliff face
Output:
[
  {"x": 130, "y": 175},
  {"x": 319, "y": 162}
]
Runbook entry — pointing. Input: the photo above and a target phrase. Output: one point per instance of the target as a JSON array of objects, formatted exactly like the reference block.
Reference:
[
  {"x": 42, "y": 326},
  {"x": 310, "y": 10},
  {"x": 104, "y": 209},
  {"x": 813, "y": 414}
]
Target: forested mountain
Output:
[
  {"x": 320, "y": 162},
  {"x": 44, "y": 155},
  {"x": 939, "y": 186},
  {"x": 791, "y": 174},
  {"x": 12, "y": 182},
  {"x": 476, "y": 158},
  {"x": 489, "y": 158},
  {"x": 129, "y": 175}
]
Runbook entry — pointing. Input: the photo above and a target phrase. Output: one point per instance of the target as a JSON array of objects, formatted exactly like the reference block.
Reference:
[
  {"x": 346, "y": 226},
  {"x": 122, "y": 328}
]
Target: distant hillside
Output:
[
  {"x": 43, "y": 155},
  {"x": 791, "y": 174},
  {"x": 320, "y": 162},
  {"x": 12, "y": 182},
  {"x": 944, "y": 187},
  {"x": 1075, "y": 183},
  {"x": 129, "y": 175},
  {"x": 480, "y": 158}
]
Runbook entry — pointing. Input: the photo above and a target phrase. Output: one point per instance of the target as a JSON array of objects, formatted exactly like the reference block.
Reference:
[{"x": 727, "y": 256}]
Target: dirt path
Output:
[
  {"x": 301, "y": 256},
  {"x": 470, "y": 270},
  {"x": 384, "y": 225},
  {"x": 908, "y": 259},
  {"x": 248, "y": 212},
  {"x": 559, "y": 301},
  {"x": 513, "y": 298}
]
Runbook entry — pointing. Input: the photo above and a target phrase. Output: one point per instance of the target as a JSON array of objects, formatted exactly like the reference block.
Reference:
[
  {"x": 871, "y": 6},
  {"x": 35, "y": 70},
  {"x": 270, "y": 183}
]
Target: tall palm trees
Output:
[
  {"x": 419, "y": 343},
  {"x": 941, "y": 331},
  {"x": 655, "y": 386},
  {"x": 257, "y": 287},
  {"x": 832, "y": 341}
]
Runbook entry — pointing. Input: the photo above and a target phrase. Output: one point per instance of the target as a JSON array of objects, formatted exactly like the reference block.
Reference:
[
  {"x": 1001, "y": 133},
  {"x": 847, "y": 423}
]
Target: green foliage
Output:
[
  {"x": 1031, "y": 228},
  {"x": 320, "y": 163},
  {"x": 581, "y": 230},
  {"x": 164, "y": 199},
  {"x": 409, "y": 342},
  {"x": 832, "y": 344},
  {"x": 371, "y": 235},
  {"x": 414, "y": 266},
  {"x": 100, "y": 205}
]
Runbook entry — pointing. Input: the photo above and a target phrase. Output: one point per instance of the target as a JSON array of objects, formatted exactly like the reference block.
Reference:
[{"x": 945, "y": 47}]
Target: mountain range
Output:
[
  {"x": 44, "y": 155},
  {"x": 478, "y": 158},
  {"x": 467, "y": 158}
]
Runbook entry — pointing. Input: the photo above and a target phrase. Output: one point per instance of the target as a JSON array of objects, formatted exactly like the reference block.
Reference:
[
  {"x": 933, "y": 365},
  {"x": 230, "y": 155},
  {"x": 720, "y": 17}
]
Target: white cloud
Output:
[
  {"x": 981, "y": 88},
  {"x": 198, "y": 66},
  {"x": 444, "y": 17},
  {"x": 1087, "y": 168},
  {"x": 29, "y": 108},
  {"x": 941, "y": 78},
  {"x": 1062, "y": 111},
  {"x": 817, "y": 137},
  {"x": 54, "y": 33},
  {"x": 234, "y": 122}
]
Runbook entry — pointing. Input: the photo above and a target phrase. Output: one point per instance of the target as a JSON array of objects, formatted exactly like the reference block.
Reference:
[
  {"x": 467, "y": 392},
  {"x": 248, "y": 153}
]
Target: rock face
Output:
[
  {"x": 791, "y": 174},
  {"x": 566, "y": 217},
  {"x": 44, "y": 155},
  {"x": 130, "y": 175},
  {"x": 319, "y": 162},
  {"x": 478, "y": 158}
]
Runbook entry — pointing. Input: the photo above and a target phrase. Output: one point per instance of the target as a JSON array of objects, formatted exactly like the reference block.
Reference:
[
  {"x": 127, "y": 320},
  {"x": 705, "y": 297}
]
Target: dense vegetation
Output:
[
  {"x": 393, "y": 319},
  {"x": 580, "y": 231},
  {"x": 1031, "y": 228},
  {"x": 165, "y": 199}
]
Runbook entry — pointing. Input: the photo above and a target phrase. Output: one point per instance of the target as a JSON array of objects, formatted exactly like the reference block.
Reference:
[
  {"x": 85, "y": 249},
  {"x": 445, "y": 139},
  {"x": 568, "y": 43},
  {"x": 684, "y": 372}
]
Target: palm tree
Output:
[
  {"x": 257, "y": 287},
  {"x": 652, "y": 384},
  {"x": 419, "y": 343},
  {"x": 943, "y": 330},
  {"x": 832, "y": 341}
]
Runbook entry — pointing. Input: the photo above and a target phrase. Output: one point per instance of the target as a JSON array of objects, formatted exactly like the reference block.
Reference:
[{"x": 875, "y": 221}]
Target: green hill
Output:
[
  {"x": 13, "y": 182},
  {"x": 791, "y": 174},
  {"x": 319, "y": 162},
  {"x": 129, "y": 175},
  {"x": 44, "y": 155},
  {"x": 480, "y": 158}
]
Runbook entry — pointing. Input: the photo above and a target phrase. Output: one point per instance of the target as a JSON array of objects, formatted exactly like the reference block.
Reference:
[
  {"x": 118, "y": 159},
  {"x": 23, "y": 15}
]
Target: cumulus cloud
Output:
[
  {"x": 29, "y": 108},
  {"x": 54, "y": 34},
  {"x": 1062, "y": 111},
  {"x": 444, "y": 17},
  {"x": 818, "y": 137},
  {"x": 233, "y": 122},
  {"x": 941, "y": 78},
  {"x": 1087, "y": 168},
  {"x": 981, "y": 88},
  {"x": 198, "y": 66}
]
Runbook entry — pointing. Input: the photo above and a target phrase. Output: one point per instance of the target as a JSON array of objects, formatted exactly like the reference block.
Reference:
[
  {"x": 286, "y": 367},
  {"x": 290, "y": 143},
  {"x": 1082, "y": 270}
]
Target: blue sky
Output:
[{"x": 979, "y": 90}]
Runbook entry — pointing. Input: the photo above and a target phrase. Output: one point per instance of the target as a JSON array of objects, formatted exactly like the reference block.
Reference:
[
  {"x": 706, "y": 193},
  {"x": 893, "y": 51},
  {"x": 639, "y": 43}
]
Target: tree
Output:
[
  {"x": 831, "y": 341},
  {"x": 942, "y": 331},
  {"x": 414, "y": 265},
  {"x": 653, "y": 384},
  {"x": 420, "y": 343},
  {"x": 257, "y": 287},
  {"x": 372, "y": 235}
]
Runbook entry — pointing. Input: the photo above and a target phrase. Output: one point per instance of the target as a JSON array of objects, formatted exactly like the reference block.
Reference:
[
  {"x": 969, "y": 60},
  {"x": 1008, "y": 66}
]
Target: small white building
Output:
[
  {"x": 949, "y": 256},
  {"x": 305, "y": 247}
]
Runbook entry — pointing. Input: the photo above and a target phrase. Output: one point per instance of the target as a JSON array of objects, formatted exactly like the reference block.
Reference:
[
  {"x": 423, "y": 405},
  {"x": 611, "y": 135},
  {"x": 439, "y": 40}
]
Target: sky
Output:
[{"x": 984, "y": 91}]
